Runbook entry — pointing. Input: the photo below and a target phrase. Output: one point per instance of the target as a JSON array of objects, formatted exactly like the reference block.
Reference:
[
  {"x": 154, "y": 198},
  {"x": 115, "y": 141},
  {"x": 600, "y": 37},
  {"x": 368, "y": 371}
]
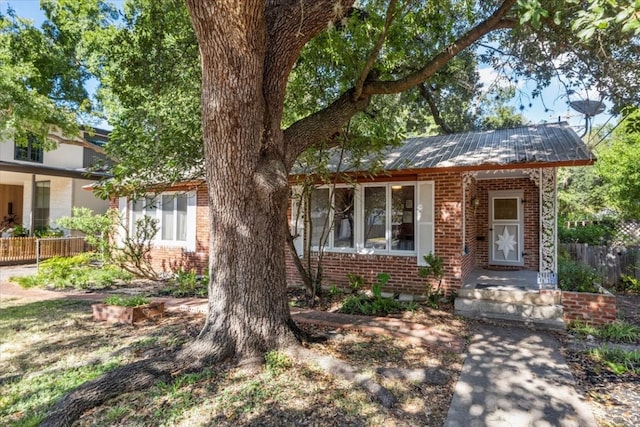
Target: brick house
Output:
[{"x": 481, "y": 200}]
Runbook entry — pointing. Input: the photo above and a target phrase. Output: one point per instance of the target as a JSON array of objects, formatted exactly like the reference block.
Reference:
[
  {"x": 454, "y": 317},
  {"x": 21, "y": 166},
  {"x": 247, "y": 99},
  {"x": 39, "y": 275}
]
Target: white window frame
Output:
[
  {"x": 388, "y": 218},
  {"x": 190, "y": 243},
  {"x": 329, "y": 246}
]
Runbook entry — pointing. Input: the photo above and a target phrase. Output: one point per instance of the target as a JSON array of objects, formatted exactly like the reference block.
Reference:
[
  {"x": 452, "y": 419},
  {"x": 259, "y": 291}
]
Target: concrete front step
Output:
[
  {"x": 543, "y": 316},
  {"x": 512, "y": 296}
]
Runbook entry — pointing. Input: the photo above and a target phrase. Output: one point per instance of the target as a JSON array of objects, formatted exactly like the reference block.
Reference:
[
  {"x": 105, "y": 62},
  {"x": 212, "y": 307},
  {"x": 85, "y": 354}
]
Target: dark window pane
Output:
[
  {"x": 403, "y": 218},
  {"x": 343, "y": 218},
  {"x": 375, "y": 217}
]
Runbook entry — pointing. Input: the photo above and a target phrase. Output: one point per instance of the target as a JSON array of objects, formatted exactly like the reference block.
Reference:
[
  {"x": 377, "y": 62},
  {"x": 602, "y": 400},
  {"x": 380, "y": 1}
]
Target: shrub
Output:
[
  {"x": 47, "y": 231},
  {"x": 593, "y": 234},
  {"x": 78, "y": 272},
  {"x": 617, "y": 360},
  {"x": 615, "y": 332},
  {"x": 434, "y": 269},
  {"x": 576, "y": 277},
  {"x": 375, "y": 305},
  {"x": 126, "y": 301},
  {"x": 356, "y": 282},
  {"x": 629, "y": 283},
  {"x": 188, "y": 284}
]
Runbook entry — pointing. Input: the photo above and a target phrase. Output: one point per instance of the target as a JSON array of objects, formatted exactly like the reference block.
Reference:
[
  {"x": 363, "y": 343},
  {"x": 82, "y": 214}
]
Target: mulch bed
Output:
[{"x": 614, "y": 399}]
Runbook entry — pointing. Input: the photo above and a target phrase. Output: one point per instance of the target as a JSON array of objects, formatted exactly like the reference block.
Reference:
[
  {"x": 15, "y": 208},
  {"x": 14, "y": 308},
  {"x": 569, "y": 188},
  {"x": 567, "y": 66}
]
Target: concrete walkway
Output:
[{"x": 513, "y": 376}]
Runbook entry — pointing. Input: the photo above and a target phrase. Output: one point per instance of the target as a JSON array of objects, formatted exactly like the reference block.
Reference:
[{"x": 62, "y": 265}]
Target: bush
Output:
[
  {"x": 577, "y": 277},
  {"x": 188, "y": 284},
  {"x": 126, "y": 301},
  {"x": 629, "y": 283},
  {"x": 592, "y": 234},
  {"x": 74, "y": 272}
]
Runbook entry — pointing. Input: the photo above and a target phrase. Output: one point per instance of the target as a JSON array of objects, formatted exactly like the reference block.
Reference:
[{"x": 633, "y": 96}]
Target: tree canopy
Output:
[{"x": 278, "y": 77}]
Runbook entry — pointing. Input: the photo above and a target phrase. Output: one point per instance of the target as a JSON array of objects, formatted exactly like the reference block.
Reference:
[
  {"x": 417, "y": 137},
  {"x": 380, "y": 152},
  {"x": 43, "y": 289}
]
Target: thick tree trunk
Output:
[{"x": 248, "y": 186}]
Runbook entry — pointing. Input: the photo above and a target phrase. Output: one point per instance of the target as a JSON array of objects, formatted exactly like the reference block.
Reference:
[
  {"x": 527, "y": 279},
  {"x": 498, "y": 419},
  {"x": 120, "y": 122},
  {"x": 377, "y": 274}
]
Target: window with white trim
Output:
[
  {"x": 331, "y": 217},
  {"x": 369, "y": 218},
  {"x": 176, "y": 216},
  {"x": 388, "y": 220},
  {"x": 139, "y": 209},
  {"x": 173, "y": 220}
]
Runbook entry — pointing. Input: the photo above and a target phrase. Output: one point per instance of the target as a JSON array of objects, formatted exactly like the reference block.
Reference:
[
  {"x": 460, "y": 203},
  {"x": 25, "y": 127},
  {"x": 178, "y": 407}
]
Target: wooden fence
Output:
[
  {"x": 18, "y": 250},
  {"x": 611, "y": 262}
]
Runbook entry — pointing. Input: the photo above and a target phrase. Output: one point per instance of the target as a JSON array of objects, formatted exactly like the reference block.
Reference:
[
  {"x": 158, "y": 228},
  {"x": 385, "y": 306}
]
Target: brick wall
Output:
[
  {"x": 404, "y": 269},
  {"x": 459, "y": 259},
  {"x": 590, "y": 308},
  {"x": 531, "y": 221},
  {"x": 168, "y": 259}
]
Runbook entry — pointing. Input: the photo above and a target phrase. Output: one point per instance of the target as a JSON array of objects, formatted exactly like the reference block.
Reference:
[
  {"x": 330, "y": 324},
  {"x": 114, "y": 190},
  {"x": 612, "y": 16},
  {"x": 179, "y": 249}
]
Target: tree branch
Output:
[
  {"x": 321, "y": 125},
  {"x": 435, "y": 112},
  {"x": 291, "y": 24},
  {"x": 495, "y": 21},
  {"x": 373, "y": 55}
]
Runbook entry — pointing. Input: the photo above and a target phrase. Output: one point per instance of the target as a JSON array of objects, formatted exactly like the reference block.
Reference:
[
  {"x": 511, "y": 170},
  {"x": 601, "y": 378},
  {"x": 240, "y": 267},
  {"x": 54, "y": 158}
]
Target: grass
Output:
[
  {"x": 620, "y": 331},
  {"x": 617, "y": 360},
  {"x": 50, "y": 347}
]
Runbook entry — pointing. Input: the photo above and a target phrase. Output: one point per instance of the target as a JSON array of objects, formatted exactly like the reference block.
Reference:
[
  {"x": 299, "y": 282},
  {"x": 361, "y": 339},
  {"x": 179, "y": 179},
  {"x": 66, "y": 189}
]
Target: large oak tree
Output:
[{"x": 248, "y": 50}]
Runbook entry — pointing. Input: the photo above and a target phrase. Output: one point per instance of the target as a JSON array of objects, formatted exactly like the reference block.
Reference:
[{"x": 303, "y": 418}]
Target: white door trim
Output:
[{"x": 499, "y": 231}]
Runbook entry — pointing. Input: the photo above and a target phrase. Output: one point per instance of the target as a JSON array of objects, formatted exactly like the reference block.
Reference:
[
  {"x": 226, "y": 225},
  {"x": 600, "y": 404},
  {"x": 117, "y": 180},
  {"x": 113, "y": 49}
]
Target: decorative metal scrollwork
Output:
[{"x": 548, "y": 230}]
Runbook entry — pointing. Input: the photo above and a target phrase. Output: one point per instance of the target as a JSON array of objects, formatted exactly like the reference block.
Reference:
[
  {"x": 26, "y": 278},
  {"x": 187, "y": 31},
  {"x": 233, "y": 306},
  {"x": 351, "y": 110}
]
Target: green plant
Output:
[
  {"x": 629, "y": 283},
  {"x": 98, "y": 229},
  {"x": 46, "y": 231},
  {"x": 276, "y": 362},
  {"x": 411, "y": 306},
  {"x": 334, "y": 290},
  {"x": 20, "y": 231},
  {"x": 79, "y": 272},
  {"x": 433, "y": 270},
  {"x": 376, "y": 288},
  {"x": 356, "y": 282},
  {"x": 375, "y": 305},
  {"x": 576, "y": 277},
  {"x": 593, "y": 233},
  {"x": 617, "y": 360},
  {"x": 616, "y": 332},
  {"x": 126, "y": 301},
  {"x": 188, "y": 284}
]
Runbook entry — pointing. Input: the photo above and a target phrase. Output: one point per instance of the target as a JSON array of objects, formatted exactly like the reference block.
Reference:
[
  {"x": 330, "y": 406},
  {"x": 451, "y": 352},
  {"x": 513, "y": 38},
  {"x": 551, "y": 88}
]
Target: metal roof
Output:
[{"x": 554, "y": 144}]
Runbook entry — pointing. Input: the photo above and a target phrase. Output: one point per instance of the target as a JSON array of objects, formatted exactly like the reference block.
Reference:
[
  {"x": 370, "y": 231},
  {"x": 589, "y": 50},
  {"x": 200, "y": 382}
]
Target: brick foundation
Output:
[{"x": 595, "y": 309}]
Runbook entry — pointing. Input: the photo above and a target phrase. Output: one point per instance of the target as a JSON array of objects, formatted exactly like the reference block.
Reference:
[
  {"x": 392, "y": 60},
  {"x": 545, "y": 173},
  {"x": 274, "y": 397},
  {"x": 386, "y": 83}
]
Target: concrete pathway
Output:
[{"x": 514, "y": 376}]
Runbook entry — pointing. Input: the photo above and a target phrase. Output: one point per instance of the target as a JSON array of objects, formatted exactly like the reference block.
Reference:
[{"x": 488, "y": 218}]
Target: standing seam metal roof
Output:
[{"x": 554, "y": 143}]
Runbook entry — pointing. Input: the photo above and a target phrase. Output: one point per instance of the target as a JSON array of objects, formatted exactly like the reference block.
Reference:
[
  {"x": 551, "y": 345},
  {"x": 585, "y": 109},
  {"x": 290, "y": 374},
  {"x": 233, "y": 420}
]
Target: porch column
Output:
[{"x": 548, "y": 220}]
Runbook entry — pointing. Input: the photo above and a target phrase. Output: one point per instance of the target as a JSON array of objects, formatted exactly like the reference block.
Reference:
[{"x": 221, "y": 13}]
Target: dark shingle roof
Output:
[{"x": 552, "y": 144}]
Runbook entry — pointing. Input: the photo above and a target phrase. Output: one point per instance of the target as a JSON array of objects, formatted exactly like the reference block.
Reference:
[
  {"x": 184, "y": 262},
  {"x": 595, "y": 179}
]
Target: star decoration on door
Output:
[{"x": 506, "y": 242}]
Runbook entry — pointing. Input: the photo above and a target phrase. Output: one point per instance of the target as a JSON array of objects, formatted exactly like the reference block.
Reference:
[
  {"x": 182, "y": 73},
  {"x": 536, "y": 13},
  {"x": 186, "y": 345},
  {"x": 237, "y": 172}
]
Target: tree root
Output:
[
  {"x": 134, "y": 376},
  {"x": 192, "y": 358},
  {"x": 345, "y": 370}
]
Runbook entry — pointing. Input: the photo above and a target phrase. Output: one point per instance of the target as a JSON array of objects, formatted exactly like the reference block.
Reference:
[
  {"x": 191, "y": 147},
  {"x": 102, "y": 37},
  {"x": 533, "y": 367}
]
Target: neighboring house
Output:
[
  {"x": 37, "y": 186},
  {"x": 483, "y": 200}
]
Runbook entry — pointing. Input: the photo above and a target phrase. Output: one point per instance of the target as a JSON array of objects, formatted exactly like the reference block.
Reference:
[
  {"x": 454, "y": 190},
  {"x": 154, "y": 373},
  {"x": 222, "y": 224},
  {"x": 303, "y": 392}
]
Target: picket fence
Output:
[
  {"x": 17, "y": 250},
  {"x": 612, "y": 262}
]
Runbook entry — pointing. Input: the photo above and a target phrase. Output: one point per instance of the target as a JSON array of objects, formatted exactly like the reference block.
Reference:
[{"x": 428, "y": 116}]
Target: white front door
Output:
[{"x": 506, "y": 228}]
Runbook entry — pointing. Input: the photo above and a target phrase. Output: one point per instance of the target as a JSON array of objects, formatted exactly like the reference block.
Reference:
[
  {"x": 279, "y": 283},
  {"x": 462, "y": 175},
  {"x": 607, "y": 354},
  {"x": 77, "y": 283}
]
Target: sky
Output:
[{"x": 550, "y": 107}]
